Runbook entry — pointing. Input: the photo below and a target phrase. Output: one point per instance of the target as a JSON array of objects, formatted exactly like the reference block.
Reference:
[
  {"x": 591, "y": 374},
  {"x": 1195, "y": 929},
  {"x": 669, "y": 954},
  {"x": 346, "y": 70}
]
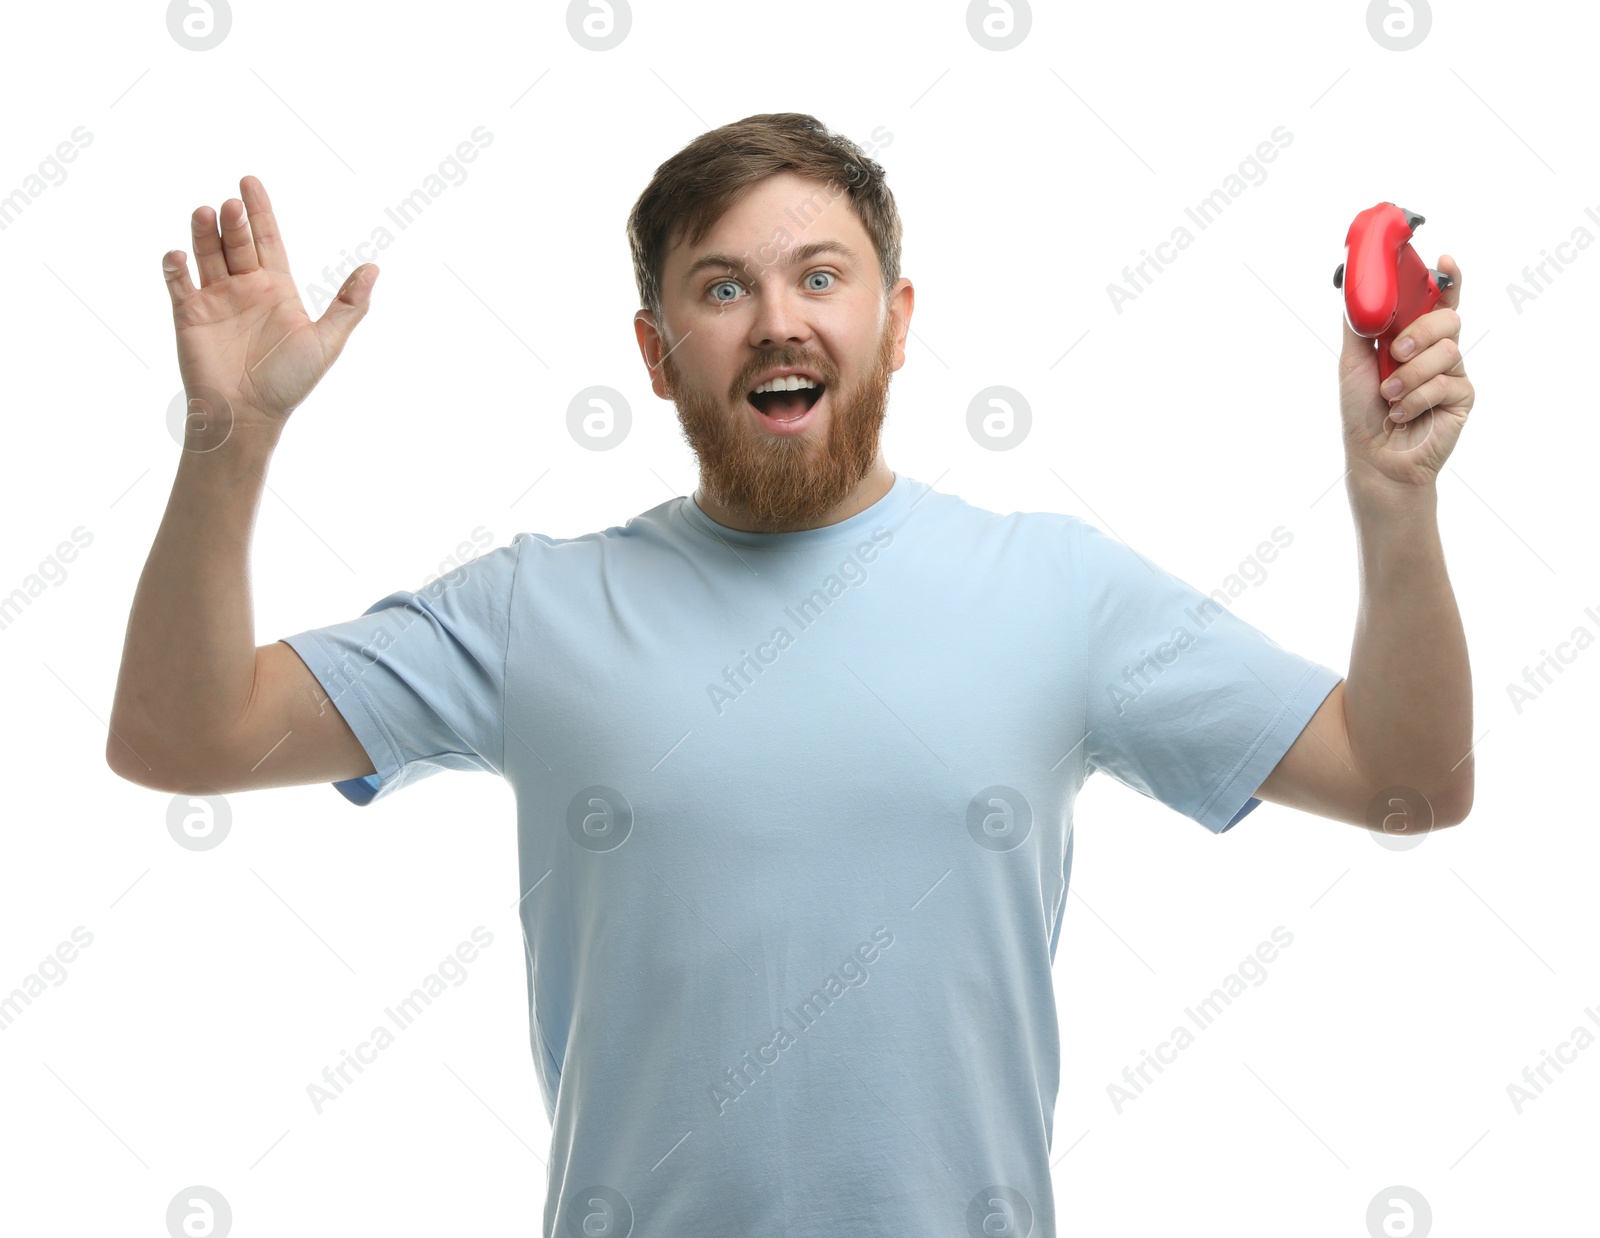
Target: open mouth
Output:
[{"x": 786, "y": 405}]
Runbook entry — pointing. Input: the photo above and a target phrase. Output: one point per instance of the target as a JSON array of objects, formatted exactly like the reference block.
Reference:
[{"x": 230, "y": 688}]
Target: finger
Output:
[
  {"x": 1446, "y": 389},
  {"x": 238, "y": 247},
  {"x": 207, "y": 246},
  {"x": 1425, "y": 331},
  {"x": 175, "y": 269},
  {"x": 264, "y": 226},
  {"x": 1450, "y": 298},
  {"x": 348, "y": 309},
  {"x": 1441, "y": 358}
]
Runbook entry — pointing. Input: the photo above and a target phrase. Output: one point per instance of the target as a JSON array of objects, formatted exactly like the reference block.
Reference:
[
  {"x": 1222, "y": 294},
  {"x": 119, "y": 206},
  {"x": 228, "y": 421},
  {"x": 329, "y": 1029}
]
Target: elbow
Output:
[
  {"x": 1459, "y": 809},
  {"x": 1455, "y": 805},
  {"x": 123, "y": 759},
  {"x": 125, "y": 762},
  {"x": 135, "y": 759},
  {"x": 1463, "y": 800},
  {"x": 1409, "y": 804}
]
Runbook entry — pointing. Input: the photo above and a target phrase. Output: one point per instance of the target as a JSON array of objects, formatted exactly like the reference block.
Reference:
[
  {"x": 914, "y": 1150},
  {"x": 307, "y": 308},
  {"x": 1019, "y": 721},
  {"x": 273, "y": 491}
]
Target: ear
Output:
[
  {"x": 652, "y": 349},
  {"x": 901, "y": 300}
]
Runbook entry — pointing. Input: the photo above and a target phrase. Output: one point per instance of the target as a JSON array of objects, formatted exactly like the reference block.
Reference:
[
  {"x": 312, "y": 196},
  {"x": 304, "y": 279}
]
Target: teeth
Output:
[{"x": 793, "y": 382}]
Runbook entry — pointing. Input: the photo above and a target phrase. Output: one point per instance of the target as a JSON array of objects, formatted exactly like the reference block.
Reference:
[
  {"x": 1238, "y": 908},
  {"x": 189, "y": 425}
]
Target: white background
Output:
[{"x": 219, "y": 984}]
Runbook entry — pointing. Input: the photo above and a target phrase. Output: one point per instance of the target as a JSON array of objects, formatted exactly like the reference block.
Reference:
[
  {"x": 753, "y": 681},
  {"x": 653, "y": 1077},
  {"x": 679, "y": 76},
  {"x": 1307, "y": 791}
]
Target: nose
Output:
[{"x": 779, "y": 320}]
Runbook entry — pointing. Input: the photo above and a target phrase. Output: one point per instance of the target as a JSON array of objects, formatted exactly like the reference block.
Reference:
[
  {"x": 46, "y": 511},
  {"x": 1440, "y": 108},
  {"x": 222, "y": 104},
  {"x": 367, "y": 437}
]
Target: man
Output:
[{"x": 795, "y": 758}]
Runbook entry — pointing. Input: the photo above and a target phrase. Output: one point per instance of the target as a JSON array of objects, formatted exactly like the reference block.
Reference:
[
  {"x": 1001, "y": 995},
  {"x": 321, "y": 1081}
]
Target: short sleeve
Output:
[
  {"x": 420, "y": 676},
  {"x": 1185, "y": 702}
]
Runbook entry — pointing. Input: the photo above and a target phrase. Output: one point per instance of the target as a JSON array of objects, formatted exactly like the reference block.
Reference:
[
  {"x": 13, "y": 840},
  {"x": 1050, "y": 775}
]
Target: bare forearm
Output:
[
  {"x": 1408, "y": 697},
  {"x": 188, "y": 659}
]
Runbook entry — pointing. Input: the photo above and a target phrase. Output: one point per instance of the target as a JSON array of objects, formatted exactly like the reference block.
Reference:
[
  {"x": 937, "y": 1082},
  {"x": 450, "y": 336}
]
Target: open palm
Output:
[{"x": 244, "y": 333}]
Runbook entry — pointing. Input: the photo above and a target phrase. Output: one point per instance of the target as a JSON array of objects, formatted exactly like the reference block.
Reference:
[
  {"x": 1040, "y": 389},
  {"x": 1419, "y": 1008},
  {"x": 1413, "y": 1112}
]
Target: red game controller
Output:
[{"x": 1386, "y": 286}]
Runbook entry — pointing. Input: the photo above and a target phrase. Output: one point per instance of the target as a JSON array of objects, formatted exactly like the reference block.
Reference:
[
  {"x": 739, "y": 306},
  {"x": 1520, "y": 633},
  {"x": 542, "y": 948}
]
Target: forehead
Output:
[{"x": 781, "y": 217}]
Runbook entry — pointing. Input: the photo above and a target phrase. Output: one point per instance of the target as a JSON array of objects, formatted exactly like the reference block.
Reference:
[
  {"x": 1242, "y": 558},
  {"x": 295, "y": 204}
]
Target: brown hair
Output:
[{"x": 691, "y": 190}]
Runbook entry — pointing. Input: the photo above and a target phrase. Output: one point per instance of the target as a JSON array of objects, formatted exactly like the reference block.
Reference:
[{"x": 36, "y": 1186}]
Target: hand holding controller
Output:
[{"x": 1386, "y": 285}]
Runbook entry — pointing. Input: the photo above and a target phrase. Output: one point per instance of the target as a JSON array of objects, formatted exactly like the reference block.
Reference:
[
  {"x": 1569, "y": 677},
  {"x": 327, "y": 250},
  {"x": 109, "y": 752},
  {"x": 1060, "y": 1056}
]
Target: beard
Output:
[{"x": 785, "y": 482}]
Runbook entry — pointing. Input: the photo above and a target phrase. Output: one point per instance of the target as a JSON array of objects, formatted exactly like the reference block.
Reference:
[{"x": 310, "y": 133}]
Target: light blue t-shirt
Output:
[{"x": 794, "y": 821}]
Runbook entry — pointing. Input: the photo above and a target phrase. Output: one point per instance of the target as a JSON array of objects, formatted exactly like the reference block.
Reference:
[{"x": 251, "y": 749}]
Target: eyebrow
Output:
[{"x": 803, "y": 253}]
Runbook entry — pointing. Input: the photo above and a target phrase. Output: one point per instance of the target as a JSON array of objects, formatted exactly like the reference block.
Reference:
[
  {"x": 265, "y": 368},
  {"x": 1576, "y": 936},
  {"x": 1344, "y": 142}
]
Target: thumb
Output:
[{"x": 348, "y": 308}]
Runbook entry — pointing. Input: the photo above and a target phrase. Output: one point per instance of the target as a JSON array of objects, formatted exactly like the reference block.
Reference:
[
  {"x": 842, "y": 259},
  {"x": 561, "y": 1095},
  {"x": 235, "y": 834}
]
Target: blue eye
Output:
[{"x": 733, "y": 283}]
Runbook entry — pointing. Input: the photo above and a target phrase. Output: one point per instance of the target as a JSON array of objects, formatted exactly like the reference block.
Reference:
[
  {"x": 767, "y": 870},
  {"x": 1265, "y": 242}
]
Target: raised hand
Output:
[
  {"x": 1402, "y": 438},
  {"x": 244, "y": 335}
]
